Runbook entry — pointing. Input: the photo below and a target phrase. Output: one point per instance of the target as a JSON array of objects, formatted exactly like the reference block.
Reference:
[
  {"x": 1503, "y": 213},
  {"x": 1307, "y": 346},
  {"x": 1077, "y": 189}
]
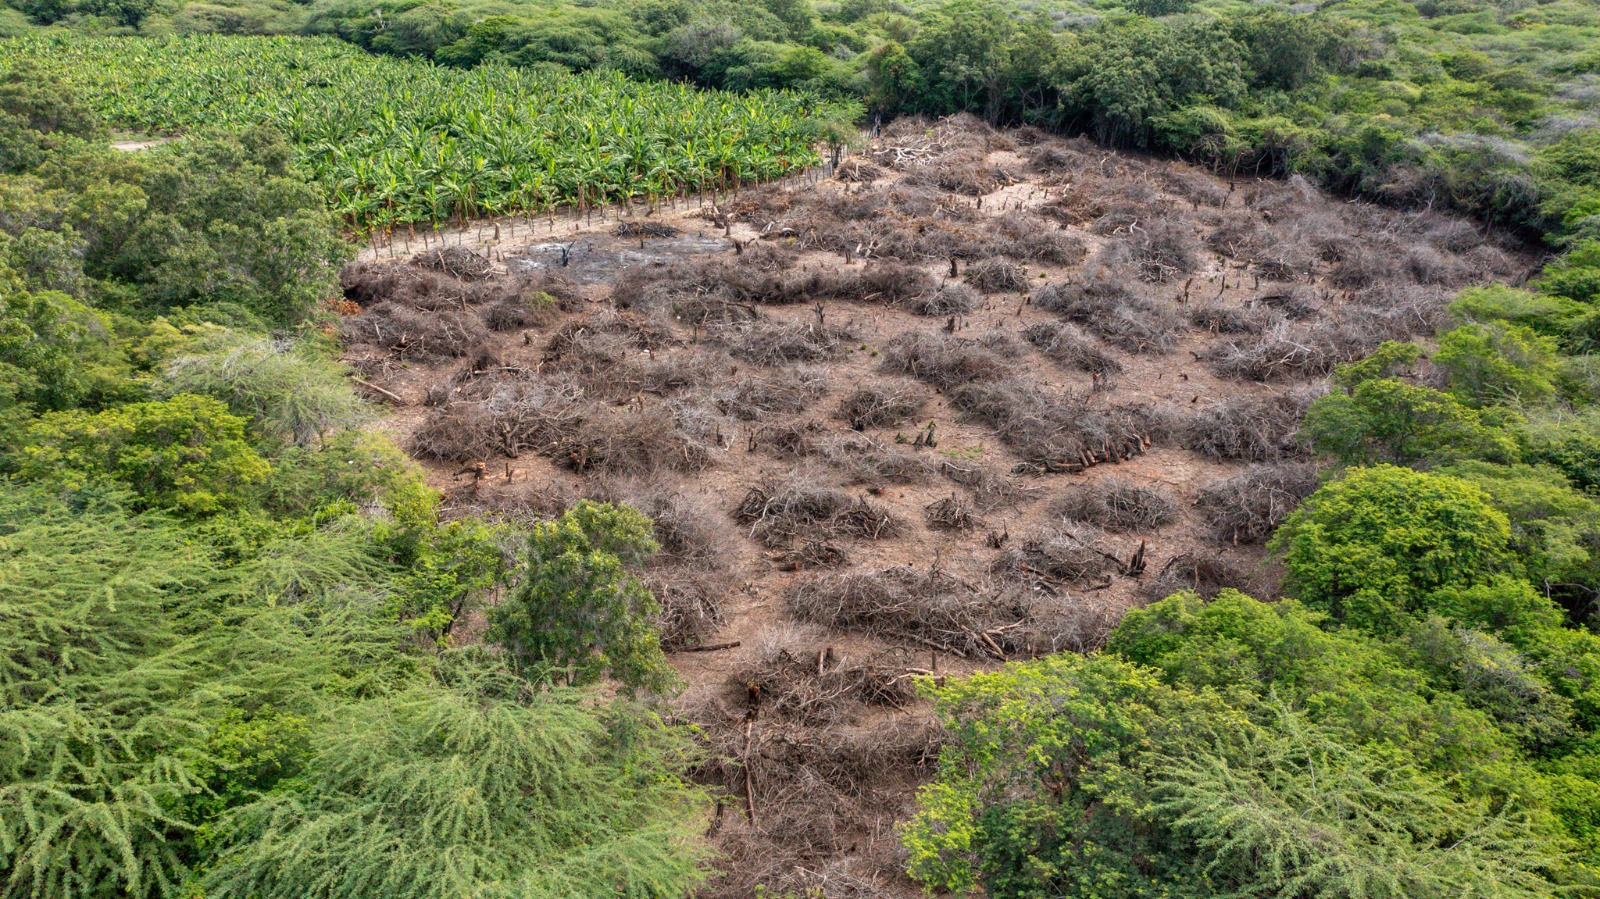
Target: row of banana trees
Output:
[{"x": 400, "y": 142}]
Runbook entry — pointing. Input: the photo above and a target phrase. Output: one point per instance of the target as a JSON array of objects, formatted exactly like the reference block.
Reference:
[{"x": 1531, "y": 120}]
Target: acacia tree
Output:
[
  {"x": 439, "y": 794},
  {"x": 186, "y": 454},
  {"x": 578, "y": 612}
]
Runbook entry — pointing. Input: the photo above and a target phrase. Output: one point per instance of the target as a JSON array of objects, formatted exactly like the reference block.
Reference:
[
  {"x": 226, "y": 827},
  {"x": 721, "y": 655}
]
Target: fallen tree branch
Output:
[
  {"x": 711, "y": 647},
  {"x": 375, "y": 388}
]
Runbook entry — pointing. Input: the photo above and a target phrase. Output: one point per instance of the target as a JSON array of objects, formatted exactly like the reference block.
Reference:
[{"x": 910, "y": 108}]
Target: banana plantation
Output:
[{"x": 398, "y": 142}]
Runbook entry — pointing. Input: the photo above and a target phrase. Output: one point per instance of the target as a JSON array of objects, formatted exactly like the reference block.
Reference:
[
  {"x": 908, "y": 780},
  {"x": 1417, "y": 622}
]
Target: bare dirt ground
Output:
[
  {"x": 1111, "y": 356},
  {"x": 132, "y": 143}
]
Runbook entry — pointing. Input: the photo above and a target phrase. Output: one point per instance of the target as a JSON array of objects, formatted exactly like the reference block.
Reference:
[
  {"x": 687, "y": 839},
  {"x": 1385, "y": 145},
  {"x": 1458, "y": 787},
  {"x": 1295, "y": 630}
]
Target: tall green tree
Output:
[
  {"x": 1388, "y": 420},
  {"x": 436, "y": 793},
  {"x": 1370, "y": 548},
  {"x": 963, "y": 53}
]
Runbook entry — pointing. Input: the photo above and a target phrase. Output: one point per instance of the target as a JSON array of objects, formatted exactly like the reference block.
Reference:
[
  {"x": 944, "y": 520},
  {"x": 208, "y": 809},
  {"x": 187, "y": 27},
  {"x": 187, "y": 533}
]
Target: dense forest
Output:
[{"x": 247, "y": 649}]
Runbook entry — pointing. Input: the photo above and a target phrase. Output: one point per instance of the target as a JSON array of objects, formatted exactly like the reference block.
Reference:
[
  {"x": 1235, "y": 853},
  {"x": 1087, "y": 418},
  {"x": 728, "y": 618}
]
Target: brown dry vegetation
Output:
[{"x": 967, "y": 402}]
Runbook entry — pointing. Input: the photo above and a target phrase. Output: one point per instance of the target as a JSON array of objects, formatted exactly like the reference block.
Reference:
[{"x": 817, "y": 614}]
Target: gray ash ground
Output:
[{"x": 597, "y": 257}]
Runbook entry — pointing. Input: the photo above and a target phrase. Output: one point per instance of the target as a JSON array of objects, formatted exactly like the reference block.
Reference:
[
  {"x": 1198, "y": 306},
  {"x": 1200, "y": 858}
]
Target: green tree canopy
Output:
[
  {"x": 577, "y": 610},
  {"x": 57, "y": 353},
  {"x": 1097, "y": 776},
  {"x": 1387, "y": 420},
  {"x": 186, "y": 454},
  {"x": 436, "y": 793},
  {"x": 170, "y": 723},
  {"x": 1498, "y": 362},
  {"x": 291, "y": 393},
  {"x": 1370, "y": 547}
]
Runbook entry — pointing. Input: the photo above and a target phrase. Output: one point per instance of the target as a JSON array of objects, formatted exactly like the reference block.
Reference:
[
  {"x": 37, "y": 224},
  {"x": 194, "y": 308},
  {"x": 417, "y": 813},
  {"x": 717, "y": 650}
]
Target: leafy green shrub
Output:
[
  {"x": 1555, "y": 530},
  {"x": 1575, "y": 275},
  {"x": 1568, "y": 442},
  {"x": 1026, "y": 750},
  {"x": 1252, "y": 653},
  {"x": 1497, "y": 678},
  {"x": 1390, "y": 360},
  {"x": 1504, "y": 604},
  {"x": 36, "y": 111},
  {"x": 435, "y": 793},
  {"x": 1068, "y": 774},
  {"x": 90, "y": 595},
  {"x": 46, "y": 259},
  {"x": 361, "y": 468},
  {"x": 1126, "y": 75},
  {"x": 57, "y": 354},
  {"x": 461, "y": 561},
  {"x": 169, "y": 719},
  {"x": 218, "y": 218},
  {"x": 577, "y": 611},
  {"x": 1371, "y": 547},
  {"x": 226, "y": 220},
  {"x": 186, "y": 454},
  {"x": 1551, "y": 315}
]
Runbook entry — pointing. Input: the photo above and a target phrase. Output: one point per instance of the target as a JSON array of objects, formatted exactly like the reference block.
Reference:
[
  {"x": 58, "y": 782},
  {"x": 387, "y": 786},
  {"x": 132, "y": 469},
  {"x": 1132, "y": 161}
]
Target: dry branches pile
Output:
[
  {"x": 458, "y": 262},
  {"x": 780, "y": 512},
  {"x": 866, "y": 461},
  {"x": 882, "y": 406},
  {"x": 807, "y": 681},
  {"x": 1221, "y": 318},
  {"x": 768, "y": 343},
  {"x": 950, "y": 514},
  {"x": 1249, "y": 506},
  {"x": 927, "y": 606},
  {"x": 511, "y": 417},
  {"x": 855, "y": 170},
  {"x": 1064, "y": 553},
  {"x": 989, "y": 490},
  {"x": 635, "y": 442},
  {"x": 945, "y": 362},
  {"x": 995, "y": 275},
  {"x": 1204, "y": 575},
  {"x": 521, "y": 311},
  {"x": 1164, "y": 249},
  {"x": 690, "y": 614},
  {"x": 782, "y": 391},
  {"x": 1286, "y": 351},
  {"x": 1117, "y": 504},
  {"x": 1251, "y": 429},
  {"x": 1069, "y": 346},
  {"x": 415, "y": 336},
  {"x": 946, "y": 299},
  {"x": 1108, "y": 304},
  {"x": 1065, "y": 433}
]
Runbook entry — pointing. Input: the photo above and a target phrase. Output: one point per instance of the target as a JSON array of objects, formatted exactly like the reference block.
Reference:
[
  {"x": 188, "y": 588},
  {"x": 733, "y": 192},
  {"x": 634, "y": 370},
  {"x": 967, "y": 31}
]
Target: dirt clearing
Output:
[{"x": 967, "y": 404}]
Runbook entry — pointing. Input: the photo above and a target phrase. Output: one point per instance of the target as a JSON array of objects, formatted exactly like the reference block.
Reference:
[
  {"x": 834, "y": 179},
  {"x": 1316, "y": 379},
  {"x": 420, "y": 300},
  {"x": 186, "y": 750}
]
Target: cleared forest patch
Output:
[{"x": 968, "y": 402}]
